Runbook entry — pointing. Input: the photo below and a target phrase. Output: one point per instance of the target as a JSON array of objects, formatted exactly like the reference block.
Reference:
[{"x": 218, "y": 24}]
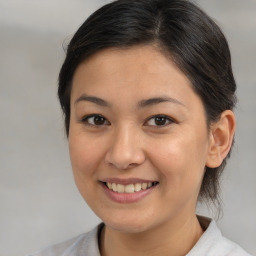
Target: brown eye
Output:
[
  {"x": 160, "y": 120},
  {"x": 96, "y": 120}
]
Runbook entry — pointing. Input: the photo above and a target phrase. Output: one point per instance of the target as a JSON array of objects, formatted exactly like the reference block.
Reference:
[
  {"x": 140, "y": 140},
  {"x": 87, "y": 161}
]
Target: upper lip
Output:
[{"x": 126, "y": 181}]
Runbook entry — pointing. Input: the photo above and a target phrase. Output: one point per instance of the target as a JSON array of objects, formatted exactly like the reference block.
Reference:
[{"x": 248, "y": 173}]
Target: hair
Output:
[{"x": 179, "y": 29}]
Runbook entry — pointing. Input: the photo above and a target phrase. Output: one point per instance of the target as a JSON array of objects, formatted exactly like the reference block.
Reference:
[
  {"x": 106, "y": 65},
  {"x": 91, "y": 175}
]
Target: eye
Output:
[
  {"x": 159, "y": 120},
  {"x": 95, "y": 120}
]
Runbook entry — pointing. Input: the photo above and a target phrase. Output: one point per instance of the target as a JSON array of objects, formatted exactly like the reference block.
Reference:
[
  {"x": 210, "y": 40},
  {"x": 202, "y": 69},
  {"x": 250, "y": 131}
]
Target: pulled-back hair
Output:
[{"x": 181, "y": 31}]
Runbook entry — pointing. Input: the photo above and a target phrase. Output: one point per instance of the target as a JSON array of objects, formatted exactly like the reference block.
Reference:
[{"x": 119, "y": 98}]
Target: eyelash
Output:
[
  {"x": 86, "y": 120},
  {"x": 163, "y": 117}
]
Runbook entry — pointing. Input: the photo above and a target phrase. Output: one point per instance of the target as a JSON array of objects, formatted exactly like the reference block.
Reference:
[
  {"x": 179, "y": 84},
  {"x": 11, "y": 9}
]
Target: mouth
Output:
[{"x": 130, "y": 188}]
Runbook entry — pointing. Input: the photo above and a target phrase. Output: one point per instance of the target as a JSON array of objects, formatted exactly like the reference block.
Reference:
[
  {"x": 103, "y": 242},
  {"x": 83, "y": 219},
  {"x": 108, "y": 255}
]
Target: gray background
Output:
[{"x": 38, "y": 198}]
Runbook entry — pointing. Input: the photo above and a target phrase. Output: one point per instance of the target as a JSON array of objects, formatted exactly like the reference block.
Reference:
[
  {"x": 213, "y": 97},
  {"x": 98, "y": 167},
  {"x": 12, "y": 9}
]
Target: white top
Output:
[{"x": 211, "y": 243}]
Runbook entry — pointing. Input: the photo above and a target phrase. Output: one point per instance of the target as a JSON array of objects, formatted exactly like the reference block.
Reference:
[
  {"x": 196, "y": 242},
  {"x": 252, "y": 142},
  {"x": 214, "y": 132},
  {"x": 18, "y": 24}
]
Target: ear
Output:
[{"x": 221, "y": 137}]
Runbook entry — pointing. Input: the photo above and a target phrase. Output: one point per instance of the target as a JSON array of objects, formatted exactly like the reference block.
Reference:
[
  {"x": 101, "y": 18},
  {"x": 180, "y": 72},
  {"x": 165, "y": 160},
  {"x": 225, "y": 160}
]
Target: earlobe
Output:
[{"x": 221, "y": 137}]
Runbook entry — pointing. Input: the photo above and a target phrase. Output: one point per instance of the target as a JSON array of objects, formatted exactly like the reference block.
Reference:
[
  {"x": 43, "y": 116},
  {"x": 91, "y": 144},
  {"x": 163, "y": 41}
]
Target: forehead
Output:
[{"x": 137, "y": 72}]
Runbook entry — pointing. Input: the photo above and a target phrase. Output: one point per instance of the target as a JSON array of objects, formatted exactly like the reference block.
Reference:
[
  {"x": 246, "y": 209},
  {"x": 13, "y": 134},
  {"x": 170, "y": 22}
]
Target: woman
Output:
[{"x": 147, "y": 92}]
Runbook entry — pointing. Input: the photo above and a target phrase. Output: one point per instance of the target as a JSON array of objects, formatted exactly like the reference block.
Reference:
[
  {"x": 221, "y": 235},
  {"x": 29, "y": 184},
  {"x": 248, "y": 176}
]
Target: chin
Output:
[
  {"x": 126, "y": 227},
  {"x": 128, "y": 223}
]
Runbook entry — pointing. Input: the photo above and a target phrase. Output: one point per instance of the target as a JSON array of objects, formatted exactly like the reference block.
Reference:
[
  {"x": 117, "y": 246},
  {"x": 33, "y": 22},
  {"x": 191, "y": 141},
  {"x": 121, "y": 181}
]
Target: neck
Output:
[{"x": 174, "y": 238}]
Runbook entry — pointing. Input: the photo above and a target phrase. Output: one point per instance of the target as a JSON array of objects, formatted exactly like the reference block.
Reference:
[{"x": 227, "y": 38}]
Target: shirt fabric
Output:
[{"x": 211, "y": 243}]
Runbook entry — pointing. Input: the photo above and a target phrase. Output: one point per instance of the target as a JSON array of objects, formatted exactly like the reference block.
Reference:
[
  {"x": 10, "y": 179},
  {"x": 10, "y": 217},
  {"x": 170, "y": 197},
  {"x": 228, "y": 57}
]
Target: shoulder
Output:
[
  {"x": 213, "y": 243},
  {"x": 84, "y": 244}
]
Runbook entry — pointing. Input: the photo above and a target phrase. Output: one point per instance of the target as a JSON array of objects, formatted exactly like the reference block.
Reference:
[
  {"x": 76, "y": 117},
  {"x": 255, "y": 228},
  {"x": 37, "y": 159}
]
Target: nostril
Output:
[
  {"x": 125, "y": 152},
  {"x": 123, "y": 163}
]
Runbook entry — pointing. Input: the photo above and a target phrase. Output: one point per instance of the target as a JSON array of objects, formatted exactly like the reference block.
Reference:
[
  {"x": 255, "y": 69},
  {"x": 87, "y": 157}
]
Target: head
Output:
[{"x": 178, "y": 30}]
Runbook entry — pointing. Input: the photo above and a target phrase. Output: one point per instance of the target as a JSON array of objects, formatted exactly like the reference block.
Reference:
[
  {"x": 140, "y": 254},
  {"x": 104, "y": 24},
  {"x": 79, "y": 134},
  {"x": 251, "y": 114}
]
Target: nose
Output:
[{"x": 126, "y": 149}]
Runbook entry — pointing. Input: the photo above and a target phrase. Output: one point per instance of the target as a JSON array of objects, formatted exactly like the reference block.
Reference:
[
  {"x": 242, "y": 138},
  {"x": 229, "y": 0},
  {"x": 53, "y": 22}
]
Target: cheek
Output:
[
  {"x": 180, "y": 160},
  {"x": 84, "y": 155}
]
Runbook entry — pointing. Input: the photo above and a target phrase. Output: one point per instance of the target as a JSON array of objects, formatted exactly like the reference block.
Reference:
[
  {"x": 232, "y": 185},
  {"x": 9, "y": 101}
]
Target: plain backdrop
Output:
[{"x": 39, "y": 203}]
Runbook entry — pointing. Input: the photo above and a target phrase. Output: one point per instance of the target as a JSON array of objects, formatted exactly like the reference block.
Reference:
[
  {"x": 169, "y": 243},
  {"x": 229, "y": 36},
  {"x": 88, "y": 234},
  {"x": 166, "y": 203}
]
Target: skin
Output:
[{"x": 129, "y": 144}]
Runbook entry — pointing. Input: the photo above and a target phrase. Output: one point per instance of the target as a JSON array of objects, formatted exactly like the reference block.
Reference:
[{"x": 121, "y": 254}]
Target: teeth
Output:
[
  {"x": 114, "y": 187},
  {"x": 109, "y": 185},
  {"x": 120, "y": 188},
  {"x": 137, "y": 187},
  {"x": 144, "y": 185},
  {"x": 130, "y": 188}
]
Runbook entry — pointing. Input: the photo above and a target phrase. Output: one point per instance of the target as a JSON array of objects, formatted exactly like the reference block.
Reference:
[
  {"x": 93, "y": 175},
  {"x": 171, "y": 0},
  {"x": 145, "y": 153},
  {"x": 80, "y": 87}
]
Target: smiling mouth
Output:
[{"x": 129, "y": 188}]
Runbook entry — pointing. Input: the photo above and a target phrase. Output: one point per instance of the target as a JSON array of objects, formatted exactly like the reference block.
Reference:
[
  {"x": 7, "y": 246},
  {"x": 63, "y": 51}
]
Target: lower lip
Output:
[{"x": 126, "y": 197}]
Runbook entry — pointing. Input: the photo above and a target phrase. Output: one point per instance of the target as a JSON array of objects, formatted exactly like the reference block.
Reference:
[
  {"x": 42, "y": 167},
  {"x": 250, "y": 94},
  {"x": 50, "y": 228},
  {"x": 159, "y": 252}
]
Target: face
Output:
[{"x": 138, "y": 138}]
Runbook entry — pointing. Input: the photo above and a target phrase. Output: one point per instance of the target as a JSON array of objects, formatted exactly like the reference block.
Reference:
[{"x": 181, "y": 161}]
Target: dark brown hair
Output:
[{"x": 181, "y": 30}]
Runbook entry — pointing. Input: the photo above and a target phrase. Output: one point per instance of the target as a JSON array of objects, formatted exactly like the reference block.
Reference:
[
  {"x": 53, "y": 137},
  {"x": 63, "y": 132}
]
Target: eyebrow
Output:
[
  {"x": 141, "y": 104},
  {"x": 157, "y": 100},
  {"x": 93, "y": 99}
]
